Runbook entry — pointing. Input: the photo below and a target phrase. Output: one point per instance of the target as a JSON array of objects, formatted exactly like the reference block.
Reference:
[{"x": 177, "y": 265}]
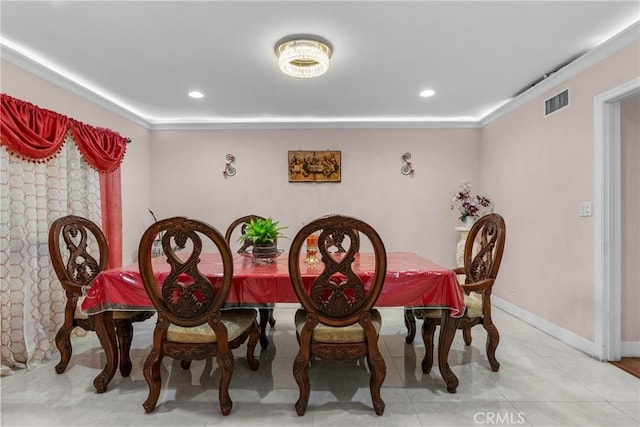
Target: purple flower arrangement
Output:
[{"x": 467, "y": 204}]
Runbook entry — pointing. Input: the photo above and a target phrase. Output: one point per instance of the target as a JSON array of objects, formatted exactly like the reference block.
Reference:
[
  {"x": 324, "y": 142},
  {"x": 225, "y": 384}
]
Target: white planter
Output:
[
  {"x": 156, "y": 249},
  {"x": 468, "y": 221}
]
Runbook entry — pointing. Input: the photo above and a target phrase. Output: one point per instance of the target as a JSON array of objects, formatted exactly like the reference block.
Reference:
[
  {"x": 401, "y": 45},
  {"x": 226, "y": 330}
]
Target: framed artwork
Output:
[{"x": 315, "y": 166}]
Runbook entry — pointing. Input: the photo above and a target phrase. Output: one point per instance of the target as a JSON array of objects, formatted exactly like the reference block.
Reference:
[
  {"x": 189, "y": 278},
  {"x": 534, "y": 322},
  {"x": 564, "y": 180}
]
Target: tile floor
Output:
[{"x": 542, "y": 382}]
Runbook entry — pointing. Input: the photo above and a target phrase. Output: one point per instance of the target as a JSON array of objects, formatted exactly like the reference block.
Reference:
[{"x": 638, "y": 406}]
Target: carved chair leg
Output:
[
  {"x": 254, "y": 336},
  {"x": 428, "y": 331},
  {"x": 63, "y": 342},
  {"x": 378, "y": 372},
  {"x": 448, "y": 327},
  {"x": 151, "y": 373},
  {"x": 466, "y": 334},
  {"x": 410, "y": 323},
  {"x": 106, "y": 331},
  {"x": 493, "y": 338},
  {"x": 63, "y": 337},
  {"x": 301, "y": 375},
  {"x": 225, "y": 362},
  {"x": 124, "y": 332}
]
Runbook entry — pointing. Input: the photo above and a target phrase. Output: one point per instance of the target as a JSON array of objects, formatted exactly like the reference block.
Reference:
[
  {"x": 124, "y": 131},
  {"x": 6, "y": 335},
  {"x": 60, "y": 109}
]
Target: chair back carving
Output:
[
  {"x": 484, "y": 247},
  {"x": 338, "y": 295},
  {"x": 185, "y": 296},
  {"x": 246, "y": 246},
  {"x": 242, "y": 222},
  {"x": 86, "y": 254},
  {"x": 336, "y": 242}
]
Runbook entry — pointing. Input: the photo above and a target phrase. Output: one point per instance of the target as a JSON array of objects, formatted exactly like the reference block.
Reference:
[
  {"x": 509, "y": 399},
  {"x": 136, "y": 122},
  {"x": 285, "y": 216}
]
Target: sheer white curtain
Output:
[{"x": 32, "y": 195}]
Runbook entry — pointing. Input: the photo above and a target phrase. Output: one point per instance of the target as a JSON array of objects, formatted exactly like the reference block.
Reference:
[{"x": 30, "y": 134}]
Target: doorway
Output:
[{"x": 608, "y": 220}]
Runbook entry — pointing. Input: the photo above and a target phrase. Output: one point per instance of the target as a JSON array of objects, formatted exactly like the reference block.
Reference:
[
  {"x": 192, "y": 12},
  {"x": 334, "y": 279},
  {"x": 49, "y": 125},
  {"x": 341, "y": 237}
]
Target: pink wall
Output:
[
  {"x": 410, "y": 213},
  {"x": 538, "y": 170},
  {"x": 180, "y": 173},
  {"x": 630, "y": 153},
  {"x": 135, "y": 166}
]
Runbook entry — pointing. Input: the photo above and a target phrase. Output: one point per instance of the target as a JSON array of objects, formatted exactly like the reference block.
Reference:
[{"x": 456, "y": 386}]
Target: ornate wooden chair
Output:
[
  {"x": 337, "y": 319},
  {"x": 78, "y": 252},
  {"x": 482, "y": 256},
  {"x": 191, "y": 324},
  {"x": 334, "y": 243},
  {"x": 266, "y": 314}
]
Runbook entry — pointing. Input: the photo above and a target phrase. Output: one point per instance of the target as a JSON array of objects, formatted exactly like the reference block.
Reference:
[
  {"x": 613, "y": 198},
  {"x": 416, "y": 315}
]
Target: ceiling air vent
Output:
[{"x": 557, "y": 102}]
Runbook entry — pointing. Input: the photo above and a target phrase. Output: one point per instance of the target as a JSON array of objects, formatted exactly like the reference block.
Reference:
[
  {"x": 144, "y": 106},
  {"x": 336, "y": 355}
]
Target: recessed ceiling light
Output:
[
  {"x": 427, "y": 93},
  {"x": 195, "y": 94}
]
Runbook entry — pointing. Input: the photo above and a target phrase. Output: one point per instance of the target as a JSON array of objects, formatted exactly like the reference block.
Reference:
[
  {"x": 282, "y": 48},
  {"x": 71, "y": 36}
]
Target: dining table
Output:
[{"x": 411, "y": 281}]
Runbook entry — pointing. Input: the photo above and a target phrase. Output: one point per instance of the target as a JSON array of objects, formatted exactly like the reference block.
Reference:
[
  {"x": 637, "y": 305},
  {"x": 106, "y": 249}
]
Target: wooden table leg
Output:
[
  {"x": 124, "y": 333},
  {"x": 265, "y": 315},
  {"x": 448, "y": 326},
  {"x": 103, "y": 324},
  {"x": 410, "y": 324}
]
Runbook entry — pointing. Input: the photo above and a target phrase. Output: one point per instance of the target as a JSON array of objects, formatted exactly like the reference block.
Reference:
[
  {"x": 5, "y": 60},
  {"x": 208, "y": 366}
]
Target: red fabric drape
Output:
[
  {"x": 101, "y": 148},
  {"x": 104, "y": 150},
  {"x": 37, "y": 134},
  {"x": 111, "y": 201},
  {"x": 29, "y": 131}
]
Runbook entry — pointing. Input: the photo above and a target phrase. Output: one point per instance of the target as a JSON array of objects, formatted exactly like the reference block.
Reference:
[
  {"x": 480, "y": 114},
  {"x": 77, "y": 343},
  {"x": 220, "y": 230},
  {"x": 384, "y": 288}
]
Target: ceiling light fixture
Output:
[
  {"x": 195, "y": 94},
  {"x": 427, "y": 93},
  {"x": 303, "y": 56}
]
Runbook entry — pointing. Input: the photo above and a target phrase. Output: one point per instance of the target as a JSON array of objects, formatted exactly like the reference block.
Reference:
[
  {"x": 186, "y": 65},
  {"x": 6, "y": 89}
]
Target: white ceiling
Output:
[{"x": 146, "y": 55}]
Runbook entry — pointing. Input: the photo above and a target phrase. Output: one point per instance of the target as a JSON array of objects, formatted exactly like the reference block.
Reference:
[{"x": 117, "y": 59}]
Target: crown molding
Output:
[
  {"x": 611, "y": 46},
  {"x": 45, "y": 73},
  {"x": 39, "y": 70},
  {"x": 310, "y": 125},
  {"x": 623, "y": 39}
]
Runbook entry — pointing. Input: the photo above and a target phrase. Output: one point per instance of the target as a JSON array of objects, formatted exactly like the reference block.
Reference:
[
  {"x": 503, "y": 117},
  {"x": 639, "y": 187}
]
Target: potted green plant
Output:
[{"x": 263, "y": 233}]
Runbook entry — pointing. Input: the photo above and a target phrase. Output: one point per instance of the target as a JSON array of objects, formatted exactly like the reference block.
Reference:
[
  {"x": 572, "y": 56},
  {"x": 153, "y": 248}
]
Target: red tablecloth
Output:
[{"x": 411, "y": 281}]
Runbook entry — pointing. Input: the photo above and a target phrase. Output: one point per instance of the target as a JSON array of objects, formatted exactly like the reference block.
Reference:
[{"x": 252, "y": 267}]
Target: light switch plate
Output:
[{"x": 585, "y": 209}]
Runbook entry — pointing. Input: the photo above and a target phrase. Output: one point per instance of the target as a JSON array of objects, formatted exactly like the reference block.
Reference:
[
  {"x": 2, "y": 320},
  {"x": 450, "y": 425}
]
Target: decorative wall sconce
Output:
[
  {"x": 228, "y": 169},
  {"x": 407, "y": 169}
]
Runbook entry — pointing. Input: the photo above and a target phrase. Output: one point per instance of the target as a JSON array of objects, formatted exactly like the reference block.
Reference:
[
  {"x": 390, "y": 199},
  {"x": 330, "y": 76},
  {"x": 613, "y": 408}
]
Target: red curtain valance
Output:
[
  {"x": 101, "y": 148},
  {"x": 29, "y": 131},
  {"x": 38, "y": 134}
]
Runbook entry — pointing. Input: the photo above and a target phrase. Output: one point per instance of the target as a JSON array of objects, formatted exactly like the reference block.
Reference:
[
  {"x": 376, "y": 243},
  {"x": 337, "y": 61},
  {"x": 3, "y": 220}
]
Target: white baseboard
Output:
[
  {"x": 631, "y": 349},
  {"x": 567, "y": 337}
]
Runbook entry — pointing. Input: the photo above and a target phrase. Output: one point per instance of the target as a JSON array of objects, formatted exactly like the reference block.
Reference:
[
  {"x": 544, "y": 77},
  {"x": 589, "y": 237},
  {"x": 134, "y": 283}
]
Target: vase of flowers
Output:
[{"x": 469, "y": 206}]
